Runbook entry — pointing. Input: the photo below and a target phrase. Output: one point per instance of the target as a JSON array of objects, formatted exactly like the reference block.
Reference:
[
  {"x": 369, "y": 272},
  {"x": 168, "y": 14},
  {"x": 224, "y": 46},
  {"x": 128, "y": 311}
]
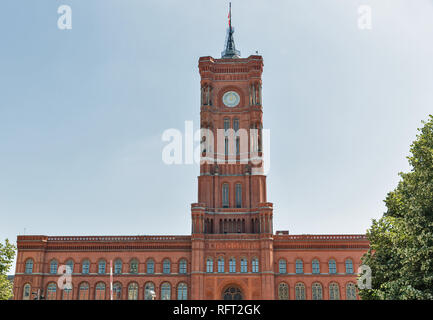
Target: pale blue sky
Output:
[{"x": 82, "y": 111}]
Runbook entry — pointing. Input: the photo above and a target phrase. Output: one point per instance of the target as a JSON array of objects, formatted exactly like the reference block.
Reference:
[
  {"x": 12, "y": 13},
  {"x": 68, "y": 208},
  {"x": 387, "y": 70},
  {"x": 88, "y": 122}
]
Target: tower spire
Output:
[{"x": 230, "y": 49}]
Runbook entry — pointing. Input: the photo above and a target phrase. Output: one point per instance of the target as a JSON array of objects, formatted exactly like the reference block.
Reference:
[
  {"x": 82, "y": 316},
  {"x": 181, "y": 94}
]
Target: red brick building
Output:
[{"x": 232, "y": 252}]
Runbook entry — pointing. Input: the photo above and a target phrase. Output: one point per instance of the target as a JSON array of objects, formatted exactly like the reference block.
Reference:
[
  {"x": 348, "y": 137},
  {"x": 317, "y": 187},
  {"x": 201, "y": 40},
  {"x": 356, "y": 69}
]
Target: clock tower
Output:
[{"x": 232, "y": 200}]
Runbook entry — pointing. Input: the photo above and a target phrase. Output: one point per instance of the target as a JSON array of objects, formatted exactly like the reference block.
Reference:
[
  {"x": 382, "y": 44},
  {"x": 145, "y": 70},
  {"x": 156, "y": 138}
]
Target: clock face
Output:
[{"x": 231, "y": 99}]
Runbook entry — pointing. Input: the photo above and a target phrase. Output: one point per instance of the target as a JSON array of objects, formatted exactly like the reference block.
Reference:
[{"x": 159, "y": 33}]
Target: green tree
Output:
[
  {"x": 7, "y": 254},
  {"x": 401, "y": 242}
]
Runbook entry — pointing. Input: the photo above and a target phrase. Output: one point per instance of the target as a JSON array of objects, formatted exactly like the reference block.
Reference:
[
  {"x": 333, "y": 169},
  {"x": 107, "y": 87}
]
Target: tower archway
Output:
[{"x": 232, "y": 292}]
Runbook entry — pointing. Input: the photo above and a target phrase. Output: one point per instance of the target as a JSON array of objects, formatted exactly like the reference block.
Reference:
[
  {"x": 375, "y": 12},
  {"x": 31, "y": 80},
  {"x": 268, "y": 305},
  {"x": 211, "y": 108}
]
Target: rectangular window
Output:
[
  {"x": 255, "y": 265},
  {"x": 299, "y": 267},
  {"x": 225, "y": 196},
  {"x": 232, "y": 265},
  {"x": 244, "y": 265},
  {"x": 150, "y": 267},
  {"x": 86, "y": 267},
  {"x": 238, "y": 195},
  {"x": 221, "y": 265},
  {"x": 209, "y": 266}
]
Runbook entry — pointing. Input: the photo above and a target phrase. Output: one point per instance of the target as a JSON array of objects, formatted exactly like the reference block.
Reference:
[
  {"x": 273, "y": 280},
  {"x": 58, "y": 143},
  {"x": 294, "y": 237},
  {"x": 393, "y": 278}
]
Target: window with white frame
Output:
[
  {"x": 166, "y": 266},
  {"x": 300, "y": 291},
  {"x": 209, "y": 265},
  {"x": 149, "y": 291},
  {"x": 221, "y": 265},
  {"x": 133, "y": 291},
  {"x": 133, "y": 266},
  {"x": 85, "y": 267},
  {"x": 182, "y": 266},
  {"x": 350, "y": 291},
  {"x": 334, "y": 292},
  {"x": 255, "y": 265},
  {"x": 29, "y": 266},
  {"x": 316, "y": 266},
  {"x": 317, "y": 291},
  {"x": 232, "y": 265},
  {"x": 101, "y": 267},
  {"x": 150, "y": 266},
  {"x": 244, "y": 265},
  {"x": 165, "y": 291},
  {"x": 282, "y": 266},
  {"x": 53, "y": 266},
  {"x": 332, "y": 266},
  {"x": 349, "y": 266},
  {"x": 283, "y": 291},
  {"x": 182, "y": 291},
  {"x": 118, "y": 266},
  {"x": 299, "y": 266}
]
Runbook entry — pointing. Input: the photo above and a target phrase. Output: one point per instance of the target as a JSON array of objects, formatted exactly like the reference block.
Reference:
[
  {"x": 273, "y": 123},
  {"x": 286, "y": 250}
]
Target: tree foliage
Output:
[
  {"x": 401, "y": 242},
  {"x": 7, "y": 254}
]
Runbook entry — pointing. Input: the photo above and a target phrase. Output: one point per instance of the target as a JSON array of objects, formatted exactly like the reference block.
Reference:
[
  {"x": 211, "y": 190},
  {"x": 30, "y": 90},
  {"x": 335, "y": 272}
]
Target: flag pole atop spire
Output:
[
  {"x": 229, "y": 49},
  {"x": 230, "y": 15}
]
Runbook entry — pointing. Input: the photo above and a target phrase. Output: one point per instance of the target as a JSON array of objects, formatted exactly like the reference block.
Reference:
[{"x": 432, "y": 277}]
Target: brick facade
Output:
[{"x": 231, "y": 222}]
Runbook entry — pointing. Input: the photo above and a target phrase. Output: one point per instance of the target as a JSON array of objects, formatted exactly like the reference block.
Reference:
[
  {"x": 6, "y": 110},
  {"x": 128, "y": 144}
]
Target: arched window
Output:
[
  {"x": 182, "y": 266},
  {"x": 150, "y": 266},
  {"x": 238, "y": 199},
  {"x": 51, "y": 291},
  {"x": 117, "y": 291},
  {"x": 225, "y": 195},
  {"x": 350, "y": 291},
  {"x": 70, "y": 266},
  {"x": 332, "y": 266},
  {"x": 244, "y": 265},
  {"x": 26, "y": 291},
  {"x": 100, "y": 291},
  {"x": 67, "y": 293},
  {"x": 221, "y": 265},
  {"x": 83, "y": 291},
  {"x": 53, "y": 266},
  {"x": 334, "y": 292},
  {"x": 209, "y": 265},
  {"x": 29, "y": 266},
  {"x": 166, "y": 266},
  {"x": 232, "y": 293},
  {"x": 282, "y": 266},
  {"x": 235, "y": 124},
  {"x": 226, "y": 124},
  {"x": 165, "y": 291},
  {"x": 149, "y": 291},
  {"x": 133, "y": 266},
  {"x": 317, "y": 291},
  {"x": 316, "y": 266},
  {"x": 283, "y": 291},
  {"x": 133, "y": 291},
  {"x": 299, "y": 266},
  {"x": 182, "y": 291},
  {"x": 85, "y": 267},
  {"x": 255, "y": 265},
  {"x": 232, "y": 265},
  {"x": 118, "y": 266},
  {"x": 101, "y": 267},
  {"x": 349, "y": 266},
  {"x": 300, "y": 291}
]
